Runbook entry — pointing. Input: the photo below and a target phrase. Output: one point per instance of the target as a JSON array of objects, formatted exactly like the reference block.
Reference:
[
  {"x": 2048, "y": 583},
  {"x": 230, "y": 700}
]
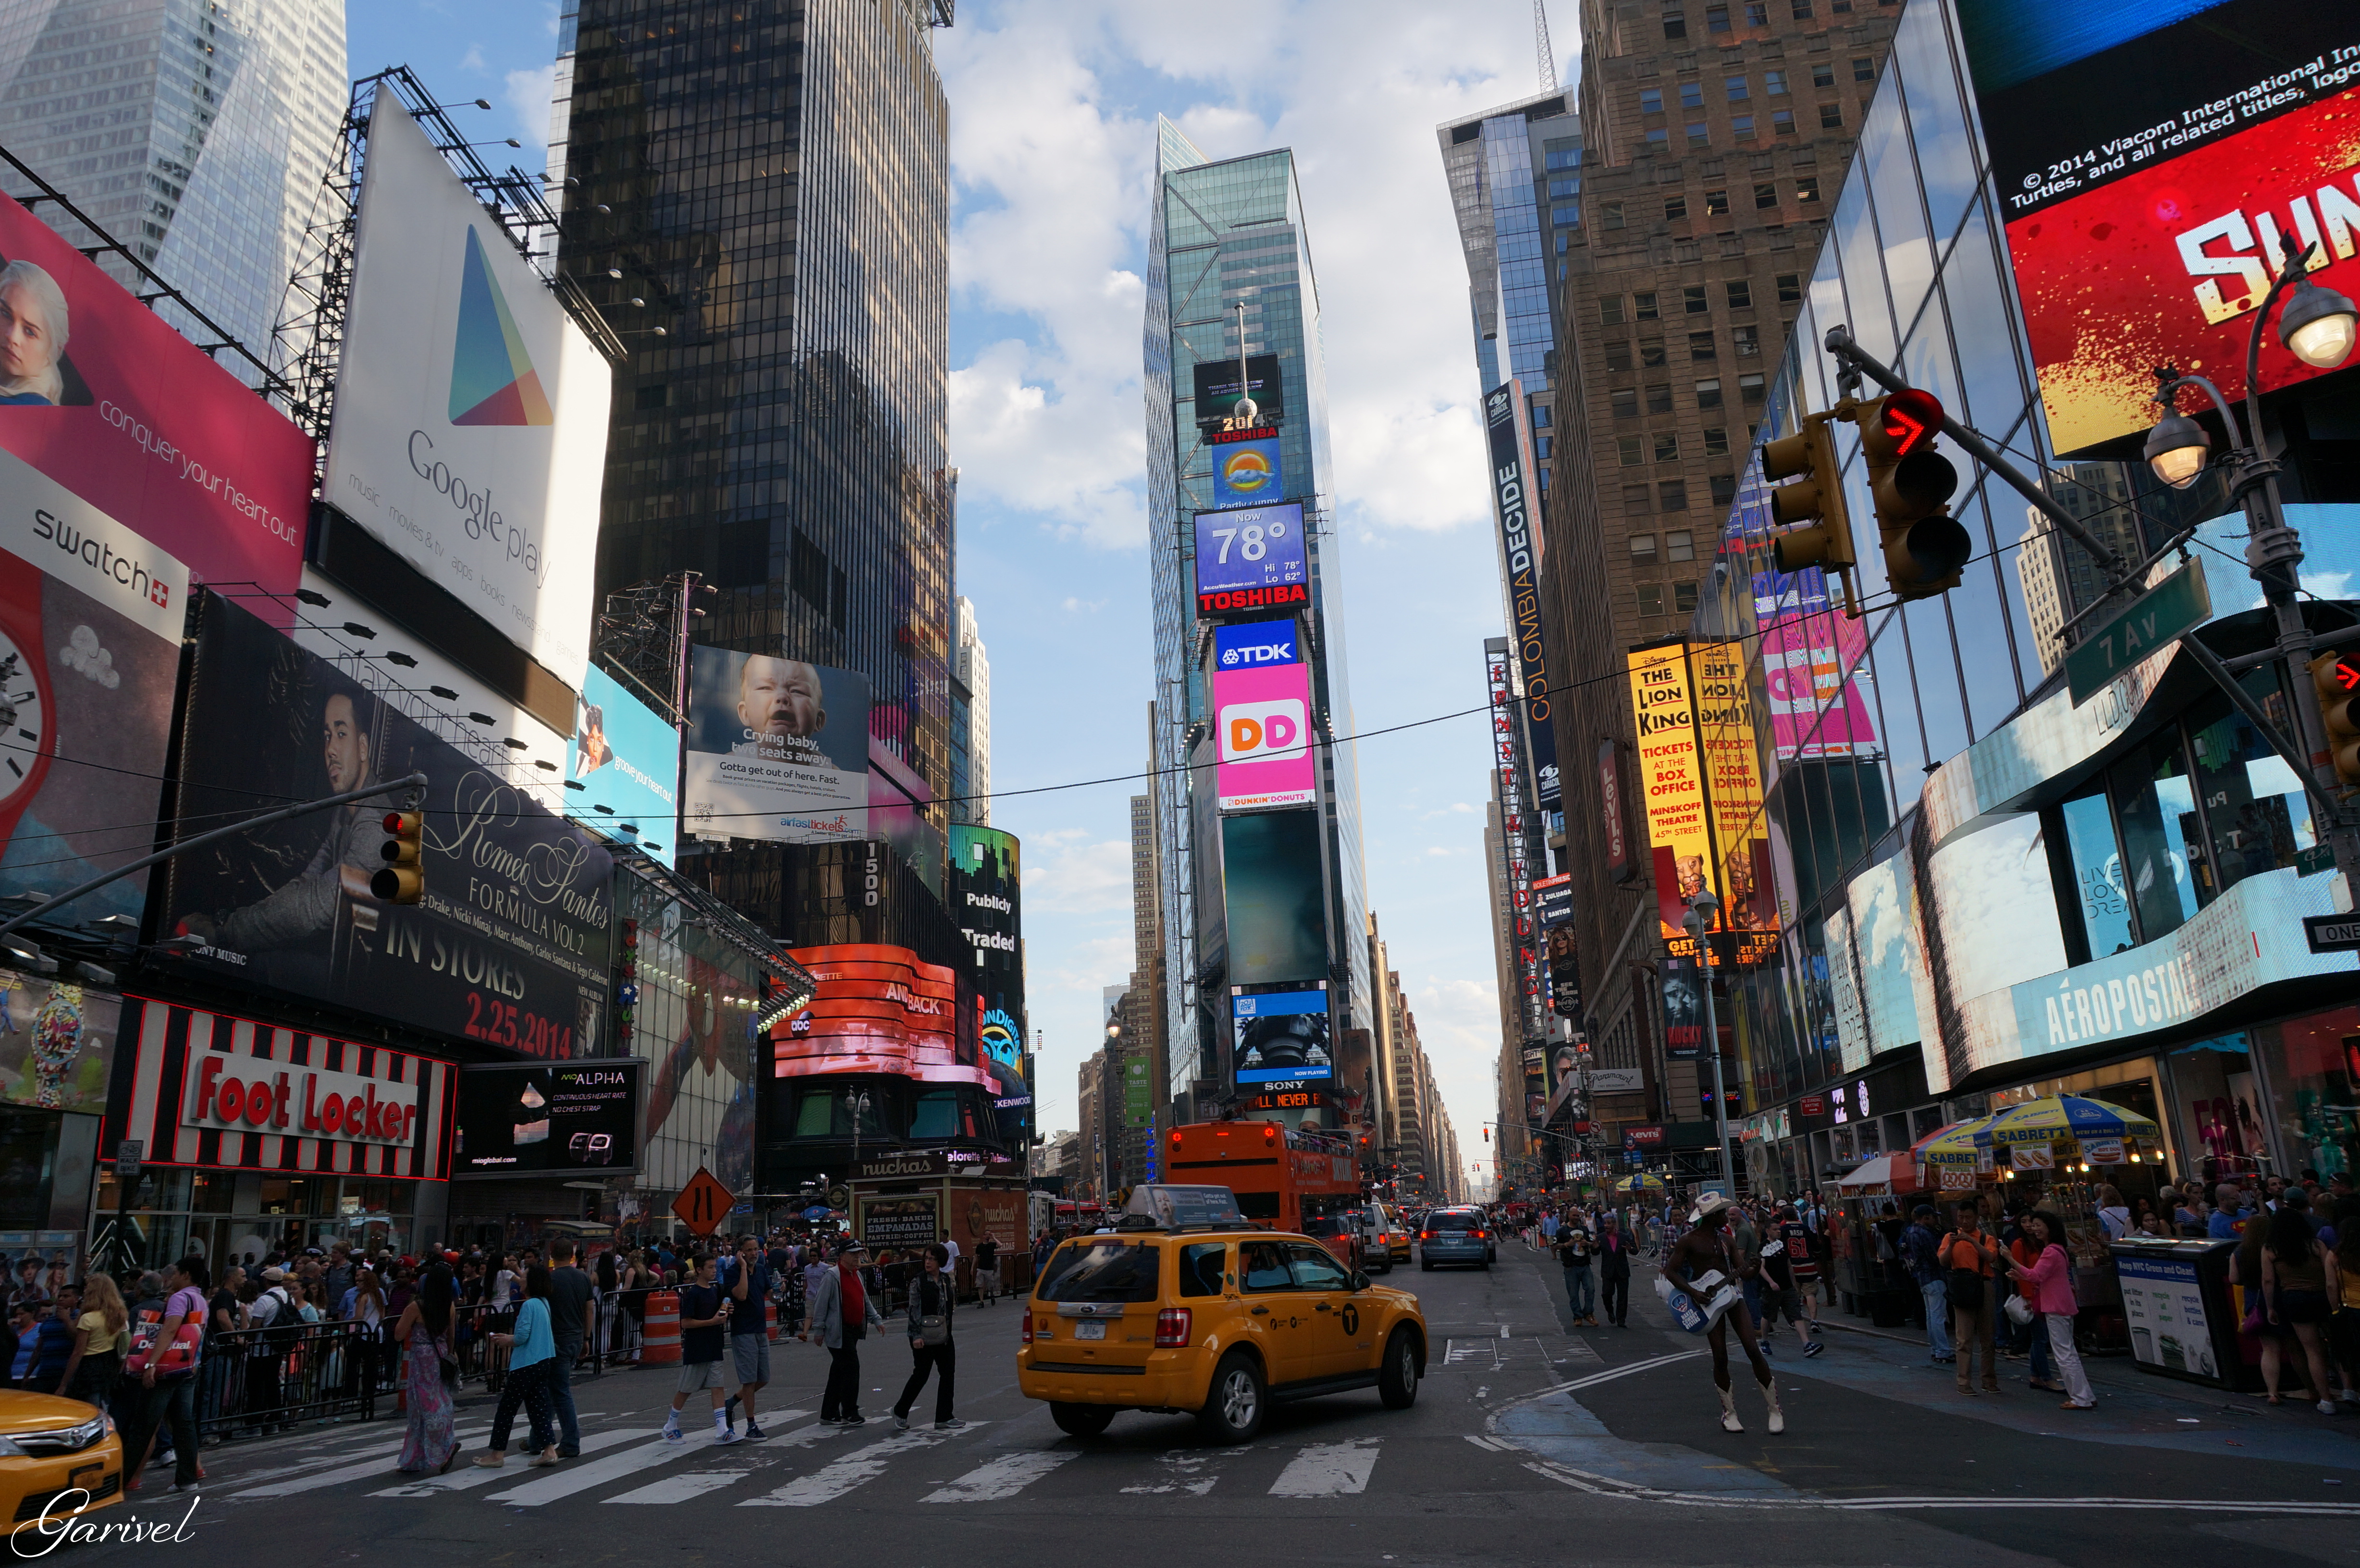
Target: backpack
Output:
[{"x": 1968, "y": 1288}]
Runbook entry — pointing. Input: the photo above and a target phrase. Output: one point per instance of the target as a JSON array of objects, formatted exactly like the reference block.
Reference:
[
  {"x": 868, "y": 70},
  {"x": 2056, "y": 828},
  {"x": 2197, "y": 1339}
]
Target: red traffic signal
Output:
[
  {"x": 1909, "y": 419},
  {"x": 402, "y": 878}
]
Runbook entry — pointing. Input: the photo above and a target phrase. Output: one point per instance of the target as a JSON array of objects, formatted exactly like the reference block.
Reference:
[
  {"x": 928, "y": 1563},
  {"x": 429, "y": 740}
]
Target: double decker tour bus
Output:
[{"x": 1303, "y": 1182}]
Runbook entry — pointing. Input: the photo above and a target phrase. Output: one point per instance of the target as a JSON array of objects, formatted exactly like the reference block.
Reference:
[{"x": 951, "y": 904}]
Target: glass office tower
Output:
[
  {"x": 1224, "y": 234},
  {"x": 757, "y": 196}
]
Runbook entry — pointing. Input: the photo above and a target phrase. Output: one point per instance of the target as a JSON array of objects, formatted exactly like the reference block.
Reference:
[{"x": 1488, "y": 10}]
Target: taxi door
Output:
[
  {"x": 1279, "y": 1310},
  {"x": 1338, "y": 1324}
]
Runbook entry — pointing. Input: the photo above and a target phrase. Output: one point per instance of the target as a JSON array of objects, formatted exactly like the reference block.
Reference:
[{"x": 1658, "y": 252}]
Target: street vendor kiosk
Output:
[{"x": 906, "y": 1201}]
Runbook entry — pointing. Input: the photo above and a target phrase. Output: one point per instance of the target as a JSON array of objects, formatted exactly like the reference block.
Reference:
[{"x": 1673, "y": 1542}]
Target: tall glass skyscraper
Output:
[
  {"x": 196, "y": 134},
  {"x": 1225, "y": 234},
  {"x": 757, "y": 196}
]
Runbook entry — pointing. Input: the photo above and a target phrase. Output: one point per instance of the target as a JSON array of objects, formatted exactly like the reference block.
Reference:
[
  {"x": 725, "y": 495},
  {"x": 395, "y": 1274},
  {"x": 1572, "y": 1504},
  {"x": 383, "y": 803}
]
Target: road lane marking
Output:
[
  {"x": 1329, "y": 1469},
  {"x": 683, "y": 1488},
  {"x": 1003, "y": 1478},
  {"x": 856, "y": 1468},
  {"x": 1605, "y": 1487},
  {"x": 466, "y": 1477},
  {"x": 563, "y": 1483}
]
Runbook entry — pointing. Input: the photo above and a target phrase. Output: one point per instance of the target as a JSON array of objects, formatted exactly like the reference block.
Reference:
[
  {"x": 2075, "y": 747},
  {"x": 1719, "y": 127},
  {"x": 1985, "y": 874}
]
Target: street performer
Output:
[{"x": 1707, "y": 1248}]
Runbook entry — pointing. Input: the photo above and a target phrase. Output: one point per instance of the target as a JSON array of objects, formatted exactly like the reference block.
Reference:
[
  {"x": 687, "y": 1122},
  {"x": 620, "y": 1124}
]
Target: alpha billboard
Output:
[
  {"x": 1274, "y": 897},
  {"x": 512, "y": 945},
  {"x": 1247, "y": 468},
  {"x": 90, "y": 653},
  {"x": 776, "y": 749},
  {"x": 470, "y": 427},
  {"x": 1217, "y": 389},
  {"x": 1252, "y": 558},
  {"x": 987, "y": 899},
  {"x": 1282, "y": 1036},
  {"x": 581, "y": 1120},
  {"x": 1261, "y": 715},
  {"x": 98, "y": 393},
  {"x": 2150, "y": 159},
  {"x": 622, "y": 767}
]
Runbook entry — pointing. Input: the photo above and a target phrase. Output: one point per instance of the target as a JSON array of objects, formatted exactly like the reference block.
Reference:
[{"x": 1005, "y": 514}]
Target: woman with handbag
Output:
[
  {"x": 429, "y": 1442},
  {"x": 928, "y": 1314},
  {"x": 167, "y": 1381},
  {"x": 101, "y": 1339},
  {"x": 2049, "y": 1286}
]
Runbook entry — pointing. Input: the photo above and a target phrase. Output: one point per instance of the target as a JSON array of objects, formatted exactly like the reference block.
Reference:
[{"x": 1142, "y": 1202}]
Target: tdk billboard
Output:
[{"x": 1250, "y": 645}]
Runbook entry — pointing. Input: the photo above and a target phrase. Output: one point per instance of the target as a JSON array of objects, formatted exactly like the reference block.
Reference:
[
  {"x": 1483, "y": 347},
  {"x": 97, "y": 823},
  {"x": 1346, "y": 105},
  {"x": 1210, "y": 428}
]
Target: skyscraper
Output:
[
  {"x": 757, "y": 196},
  {"x": 970, "y": 727},
  {"x": 196, "y": 135},
  {"x": 1231, "y": 278}
]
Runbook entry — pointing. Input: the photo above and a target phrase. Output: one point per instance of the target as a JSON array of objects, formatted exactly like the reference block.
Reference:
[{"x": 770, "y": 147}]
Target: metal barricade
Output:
[{"x": 256, "y": 1382}]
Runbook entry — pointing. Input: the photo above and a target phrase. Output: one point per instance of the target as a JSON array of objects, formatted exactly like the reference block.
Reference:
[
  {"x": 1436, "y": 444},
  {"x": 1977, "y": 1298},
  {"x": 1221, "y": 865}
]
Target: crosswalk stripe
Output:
[
  {"x": 1329, "y": 1469},
  {"x": 1003, "y": 1478},
  {"x": 562, "y": 1483},
  {"x": 861, "y": 1465},
  {"x": 344, "y": 1455},
  {"x": 466, "y": 1477},
  {"x": 681, "y": 1488}
]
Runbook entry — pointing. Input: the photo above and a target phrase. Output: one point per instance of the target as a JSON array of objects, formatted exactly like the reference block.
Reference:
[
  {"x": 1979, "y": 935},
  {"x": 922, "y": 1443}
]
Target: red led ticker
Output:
[{"x": 1910, "y": 417}]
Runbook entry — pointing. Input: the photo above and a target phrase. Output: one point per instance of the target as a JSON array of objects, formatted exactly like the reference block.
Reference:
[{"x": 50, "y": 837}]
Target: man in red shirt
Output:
[{"x": 841, "y": 1312}]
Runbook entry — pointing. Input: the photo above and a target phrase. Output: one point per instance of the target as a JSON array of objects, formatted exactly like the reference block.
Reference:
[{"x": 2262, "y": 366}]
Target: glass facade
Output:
[
  {"x": 757, "y": 196},
  {"x": 1223, "y": 234}
]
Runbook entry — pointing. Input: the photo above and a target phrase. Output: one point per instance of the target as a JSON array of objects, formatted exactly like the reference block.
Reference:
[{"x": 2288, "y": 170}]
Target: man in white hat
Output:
[{"x": 1706, "y": 1249}]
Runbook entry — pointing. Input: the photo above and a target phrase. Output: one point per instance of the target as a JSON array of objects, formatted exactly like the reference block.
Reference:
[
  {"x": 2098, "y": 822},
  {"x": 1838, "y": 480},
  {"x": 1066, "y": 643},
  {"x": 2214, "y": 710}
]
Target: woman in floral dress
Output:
[{"x": 429, "y": 1443}]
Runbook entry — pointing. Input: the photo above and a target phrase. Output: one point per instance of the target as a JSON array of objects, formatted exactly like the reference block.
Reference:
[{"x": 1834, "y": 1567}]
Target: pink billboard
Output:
[
  {"x": 1815, "y": 708},
  {"x": 1264, "y": 719},
  {"x": 106, "y": 398}
]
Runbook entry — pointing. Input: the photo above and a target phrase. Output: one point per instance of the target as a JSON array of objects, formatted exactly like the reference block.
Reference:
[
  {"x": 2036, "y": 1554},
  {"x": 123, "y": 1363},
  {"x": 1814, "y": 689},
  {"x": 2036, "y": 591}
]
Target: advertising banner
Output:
[
  {"x": 1250, "y": 645},
  {"x": 2149, "y": 159},
  {"x": 1671, "y": 779},
  {"x": 1218, "y": 390},
  {"x": 101, "y": 395},
  {"x": 1274, "y": 897},
  {"x": 899, "y": 1222},
  {"x": 1138, "y": 1092},
  {"x": 1733, "y": 762},
  {"x": 1700, "y": 778},
  {"x": 470, "y": 427},
  {"x": 622, "y": 767},
  {"x": 1620, "y": 864},
  {"x": 581, "y": 1120},
  {"x": 776, "y": 749},
  {"x": 1246, "y": 467},
  {"x": 512, "y": 945},
  {"x": 1262, "y": 717},
  {"x": 90, "y": 652},
  {"x": 987, "y": 899},
  {"x": 1251, "y": 559},
  {"x": 56, "y": 1043},
  {"x": 1809, "y": 651},
  {"x": 1520, "y": 573},
  {"x": 1683, "y": 1010},
  {"x": 1520, "y": 841},
  {"x": 2163, "y": 1301},
  {"x": 1282, "y": 1035}
]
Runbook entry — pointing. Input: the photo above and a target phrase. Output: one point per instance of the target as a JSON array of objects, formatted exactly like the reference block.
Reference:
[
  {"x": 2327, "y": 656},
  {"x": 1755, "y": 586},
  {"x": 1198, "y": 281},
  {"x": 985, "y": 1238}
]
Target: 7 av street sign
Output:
[{"x": 2152, "y": 621}]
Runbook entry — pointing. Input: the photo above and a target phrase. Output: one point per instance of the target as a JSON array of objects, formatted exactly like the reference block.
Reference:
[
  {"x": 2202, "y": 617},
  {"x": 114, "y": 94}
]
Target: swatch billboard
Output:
[
  {"x": 470, "y": 428},
  {"x": 1261, "y": 715},
  {"x": 622, "y": 767},
  {"x": 2149, "y": 160}
]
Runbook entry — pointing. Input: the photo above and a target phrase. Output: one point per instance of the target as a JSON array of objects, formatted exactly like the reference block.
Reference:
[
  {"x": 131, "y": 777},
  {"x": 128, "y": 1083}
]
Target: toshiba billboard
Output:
[{"x": 2147, "y": 169}]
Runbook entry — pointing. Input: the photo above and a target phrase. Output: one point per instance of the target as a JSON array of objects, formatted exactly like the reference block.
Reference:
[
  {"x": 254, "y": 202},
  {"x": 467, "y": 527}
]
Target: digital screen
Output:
[
  {"x": 777, "y": 748},
  {"x": 1282, "y": 1037},
  {"x": 1274, "y": 897},
  {"x": 1250, "y": 645},
  {"x": 534, "y": 1121},
  {"x": 1217, "y": 389},
  {"x": 1250, "y": 549},
  {"x": 1247, "y": 469},
  {"x": 622, "y": 767},
  {"x": 1261, "y": 718}
]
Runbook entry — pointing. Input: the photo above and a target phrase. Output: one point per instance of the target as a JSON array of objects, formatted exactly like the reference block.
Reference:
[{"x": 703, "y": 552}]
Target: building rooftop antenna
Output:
[{"x": 1548, "y": 56}]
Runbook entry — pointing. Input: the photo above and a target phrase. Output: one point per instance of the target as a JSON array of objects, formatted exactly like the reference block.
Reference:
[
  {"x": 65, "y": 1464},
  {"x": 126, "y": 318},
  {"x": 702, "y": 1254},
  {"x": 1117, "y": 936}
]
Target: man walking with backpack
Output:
[
  {"x": 1920, "y": 1254},
  {"x": 1969, "y": 1261}
]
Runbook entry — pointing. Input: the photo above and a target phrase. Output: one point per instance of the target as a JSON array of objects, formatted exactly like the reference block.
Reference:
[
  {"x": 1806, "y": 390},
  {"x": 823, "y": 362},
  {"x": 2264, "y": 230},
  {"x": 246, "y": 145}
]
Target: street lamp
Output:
[{"x": 1702, "y": 910}]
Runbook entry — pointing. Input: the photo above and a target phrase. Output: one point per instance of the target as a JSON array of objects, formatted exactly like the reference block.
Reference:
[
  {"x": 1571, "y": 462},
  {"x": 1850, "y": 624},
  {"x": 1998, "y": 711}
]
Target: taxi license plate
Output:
[
  {"x": 1089, "y": 1331},
  {"x": 87, "y": 1480}
]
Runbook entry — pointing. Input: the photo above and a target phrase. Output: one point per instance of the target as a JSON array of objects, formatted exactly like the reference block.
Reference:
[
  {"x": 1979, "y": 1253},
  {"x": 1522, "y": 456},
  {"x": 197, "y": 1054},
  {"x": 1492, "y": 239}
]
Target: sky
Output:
[{"x": 1053, "y": 113}]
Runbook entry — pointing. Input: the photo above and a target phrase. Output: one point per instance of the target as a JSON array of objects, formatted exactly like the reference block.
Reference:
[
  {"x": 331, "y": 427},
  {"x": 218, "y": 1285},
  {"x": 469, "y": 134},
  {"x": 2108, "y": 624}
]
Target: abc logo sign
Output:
[{"x": 1263, "y": 732}]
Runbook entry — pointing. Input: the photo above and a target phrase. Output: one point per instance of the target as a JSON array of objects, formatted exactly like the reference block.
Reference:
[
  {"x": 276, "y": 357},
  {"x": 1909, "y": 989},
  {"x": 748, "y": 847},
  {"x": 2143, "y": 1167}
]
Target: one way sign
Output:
[{"x": 2333, "y": 933}]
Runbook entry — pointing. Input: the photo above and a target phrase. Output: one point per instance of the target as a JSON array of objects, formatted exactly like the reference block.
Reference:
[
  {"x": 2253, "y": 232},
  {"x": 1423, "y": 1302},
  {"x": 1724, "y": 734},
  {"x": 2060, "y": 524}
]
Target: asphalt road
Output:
[{"x": 1528, "y": 1437}]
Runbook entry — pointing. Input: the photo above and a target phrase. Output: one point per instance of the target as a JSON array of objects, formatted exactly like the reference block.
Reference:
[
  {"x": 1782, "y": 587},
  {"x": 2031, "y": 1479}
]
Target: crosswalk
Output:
[{"x": 808, "y": 1465}]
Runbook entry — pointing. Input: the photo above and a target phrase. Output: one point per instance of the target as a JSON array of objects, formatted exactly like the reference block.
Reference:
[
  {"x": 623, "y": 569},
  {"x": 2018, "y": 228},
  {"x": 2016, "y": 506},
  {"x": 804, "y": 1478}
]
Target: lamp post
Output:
[
  {"x": 2317, "y": 326},
  {"x": 1702, "y": 910}
]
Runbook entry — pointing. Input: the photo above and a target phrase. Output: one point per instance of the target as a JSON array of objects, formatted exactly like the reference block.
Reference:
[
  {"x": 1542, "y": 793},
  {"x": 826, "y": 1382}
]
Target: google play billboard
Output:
[{"x": 1262, "y": 714}]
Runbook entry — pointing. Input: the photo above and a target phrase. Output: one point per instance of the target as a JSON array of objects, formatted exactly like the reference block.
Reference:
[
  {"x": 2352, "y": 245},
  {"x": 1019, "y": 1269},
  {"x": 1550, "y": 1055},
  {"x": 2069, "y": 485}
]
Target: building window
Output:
[
  {"x": 1659, "y": 140},
  {"x": 1543, "y": 416},
  {"x": 1683, "y": 598},
  {"x": 1863, "y": 69},
  {"x": 1715, "y": 204},
  {"x": 1709, "y": 394},
  {"x": 1651, "y": 598},
  {"x": 1672, "y": 495},
  {"x": 1741, "y": 294},
  {"x": 1831, "y": 116},
  {"x": 1691, "y": 95},
  {"x": 1823, "y": 73},
  {"x": 1699, "y": 134},
  {"x": 1642, "y": 306},
  {"x": 1749, "y": 388},
  {"x": 1634, "y": 500},
  {"x": 1543, "y": 443},
  {"x": 1782, "y": 122},
  {"x": 1668, "y": 446},
  {"x": 1773, "y": 84},
  {"x": 1700, "y": 345},
  {"x": 1758, "y": 13},
  {"x": 1610, "y": 311},
  {"x": 1741, "y": 127},
  {"x": 1624, "y": 402},
  {"x": 1564, "y": 217},
  {"x": 1650, "y": 100},
  {"x": 1790, "y": 288},
  {"x": 1659, "y": 399},
  {"x": 1651, "y": 353},
  {"x": 1716, "y": 441},
  {"x": 1807, "y": 187},
  {"x": 1675, "y": 208},
  {"x": 1765, "y": 196},
  {"x": 1561, "y": 189},
  {"x": 1628, "y": 451},
  {"x": 1675, "y": 24},
  {"x": 1748, "y": 342},
  {"x": 1802, "y": 10},
  {"x": 1736, "y": 88},
  {"x": 1610, "y": 214},
  {"x": 1642, "y": 550},
  {"x": 1693, "y": 301},
  {"x": 1724, "y": 489},
  {"x": 1618, "y": 354},
  {"x": 1568, "y": 158},
  {"x": 1679, "y": 545},
  {"x": 1716, "y": 18}
]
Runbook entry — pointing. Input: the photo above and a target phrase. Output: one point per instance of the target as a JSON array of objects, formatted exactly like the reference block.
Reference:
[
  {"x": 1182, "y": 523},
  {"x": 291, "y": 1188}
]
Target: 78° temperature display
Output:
[{"x": 1249, "y": 548}]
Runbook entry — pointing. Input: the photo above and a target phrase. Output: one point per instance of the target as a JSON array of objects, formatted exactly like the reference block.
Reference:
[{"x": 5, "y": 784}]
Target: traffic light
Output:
[
  {"x": 1911, "y": 482},
  {"x": 1814, "y": 527},
  {"x": 2337, "y": 681},
  {"x": 402, "y": 878}
]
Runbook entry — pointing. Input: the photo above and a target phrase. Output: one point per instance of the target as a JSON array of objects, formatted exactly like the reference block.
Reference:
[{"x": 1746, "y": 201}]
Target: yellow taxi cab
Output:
[
  {"x": 59, "y": 1457},
  {"x": 1185, "y": 1307}
]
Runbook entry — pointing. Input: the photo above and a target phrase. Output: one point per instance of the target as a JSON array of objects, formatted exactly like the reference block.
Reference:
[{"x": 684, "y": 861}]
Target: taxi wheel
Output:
[
  {"x": 1234, "y": 1405},
  {"x": 1397, "y": 1379},
  {"x": 1081, "y": 1420}
]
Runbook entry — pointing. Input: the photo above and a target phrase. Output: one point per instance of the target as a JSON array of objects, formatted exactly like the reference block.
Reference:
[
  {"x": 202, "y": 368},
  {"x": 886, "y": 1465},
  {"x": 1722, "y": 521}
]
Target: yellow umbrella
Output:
[
  {"x": 2073, "y": 1119},
  {"x": 1960, "y": 1144}
]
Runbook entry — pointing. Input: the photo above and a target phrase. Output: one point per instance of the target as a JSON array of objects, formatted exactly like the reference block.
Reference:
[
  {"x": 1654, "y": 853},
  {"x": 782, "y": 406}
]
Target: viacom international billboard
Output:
[
  {"x": 2149, "y": 161},
  {"x": 1263, "y": 716},
  {"x": 470, "y": 431}
]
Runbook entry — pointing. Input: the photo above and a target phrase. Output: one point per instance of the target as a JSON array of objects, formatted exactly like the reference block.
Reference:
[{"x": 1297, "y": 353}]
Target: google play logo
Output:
[{"x": 492, "y": 378}]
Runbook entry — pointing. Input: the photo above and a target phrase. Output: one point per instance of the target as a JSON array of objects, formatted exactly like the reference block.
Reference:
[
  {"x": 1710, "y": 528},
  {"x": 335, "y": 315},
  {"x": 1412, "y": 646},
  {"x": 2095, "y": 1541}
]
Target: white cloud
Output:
[
  {"x": 473, "y": 59},
  {"x": 1068, "y": 877},
  {"x": 526, "y": 93}
]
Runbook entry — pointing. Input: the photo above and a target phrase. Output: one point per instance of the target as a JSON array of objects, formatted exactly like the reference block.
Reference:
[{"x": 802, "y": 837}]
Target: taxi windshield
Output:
[{"x": 1102, "y": 1269}]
